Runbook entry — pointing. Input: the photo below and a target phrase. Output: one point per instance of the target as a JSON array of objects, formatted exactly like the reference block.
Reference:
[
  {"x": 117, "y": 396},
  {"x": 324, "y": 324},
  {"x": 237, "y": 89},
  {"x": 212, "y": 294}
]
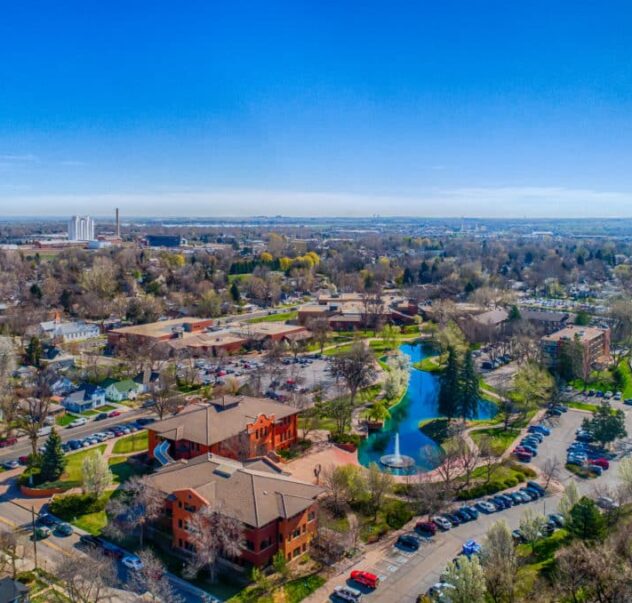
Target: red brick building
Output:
[
  {"x": 237, "y": 427},
  {"x": 278, "y": 513}
]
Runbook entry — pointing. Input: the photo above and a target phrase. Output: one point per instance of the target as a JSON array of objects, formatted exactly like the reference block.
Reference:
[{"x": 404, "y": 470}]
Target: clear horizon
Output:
[{"x": 488, "y": 111}]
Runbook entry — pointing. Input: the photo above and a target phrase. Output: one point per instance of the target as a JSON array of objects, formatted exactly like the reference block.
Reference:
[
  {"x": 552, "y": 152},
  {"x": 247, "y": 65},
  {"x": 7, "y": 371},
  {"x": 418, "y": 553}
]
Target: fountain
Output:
[{"x": 397, "y": 460}]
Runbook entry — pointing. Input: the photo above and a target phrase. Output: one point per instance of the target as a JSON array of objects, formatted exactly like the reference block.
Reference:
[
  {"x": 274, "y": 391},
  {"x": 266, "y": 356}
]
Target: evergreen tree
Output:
[
  {"x": 449, "y": 386},
  {"x": 34, "y": 351},
  {"x": 586, "y": 521},
  {"x": 468, "y": 389},
  {"x": 409, "y": 277},
  {"x": 514, "y": 313},
  {"x": 53, "y": 458},
  {"x": 606, "y": 425},
  {"x": 234, "y": 292}
]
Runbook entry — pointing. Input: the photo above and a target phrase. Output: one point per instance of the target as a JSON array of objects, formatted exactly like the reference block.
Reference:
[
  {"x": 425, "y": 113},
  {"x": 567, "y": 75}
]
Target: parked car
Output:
[
  {"x": 8, "y": 442},
  {"x": 518, "y": 536},
  {"x": 485, "y": 507},
  {"x": 596, "y": 469},
  {"x": 365, "y": 578},
  {"x": 454, "y": 519},
  {"x": 101, "y": 416},
  {"x": 524, "y": 457},
  {"x": 132, "y": 562},
  {"x": 114, "y": 413},
  {"x": 535, "y": 486},
  {"x": 42, "y": 532},
  {"x": 10, "y": 465},
  {"x": 46, "y": 519},
  {"x": 63, "y": 529},
  {"x": 442, "y": 523},
  {"x": 426, "y": 527},
  {"x": 89, "y": 540},
  {"x": 601, "y": 462},
  {"x": 471, "y": 510},
  {"x": 440, "y": 591},
  {"x": 346, "y": 593},
  {"x": 78, "y": 422},
  {"x": 557, "y": 519},
  {"x": 409, "y": 541},
  {"x": 516, "y": 497},
  {"x": 539, "y": 429}
]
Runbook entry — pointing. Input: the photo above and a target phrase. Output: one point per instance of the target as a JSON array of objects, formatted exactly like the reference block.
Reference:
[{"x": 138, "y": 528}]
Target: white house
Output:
[{"x": 123, "y": 390}]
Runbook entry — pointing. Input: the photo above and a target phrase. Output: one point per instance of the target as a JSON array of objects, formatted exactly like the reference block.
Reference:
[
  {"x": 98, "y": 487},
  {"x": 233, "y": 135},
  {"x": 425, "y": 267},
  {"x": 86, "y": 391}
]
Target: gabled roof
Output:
[
  {"x": 124, "y": 386},
  {"x": 219, "y": 420},
  {"x": 256, "y": 492}
]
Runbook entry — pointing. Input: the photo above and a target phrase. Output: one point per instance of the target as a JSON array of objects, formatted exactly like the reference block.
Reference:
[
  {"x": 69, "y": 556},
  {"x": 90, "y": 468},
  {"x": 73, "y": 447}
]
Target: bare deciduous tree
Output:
[
  {"x": 213, "y": 534},
  {"x": 152, "y": 581},
  {"x": 87, "y": 579}
]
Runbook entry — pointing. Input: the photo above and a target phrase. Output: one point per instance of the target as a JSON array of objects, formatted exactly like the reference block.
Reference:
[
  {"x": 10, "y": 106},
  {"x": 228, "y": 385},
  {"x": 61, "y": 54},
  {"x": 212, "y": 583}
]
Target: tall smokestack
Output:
[{"x": 118, "y": 224}]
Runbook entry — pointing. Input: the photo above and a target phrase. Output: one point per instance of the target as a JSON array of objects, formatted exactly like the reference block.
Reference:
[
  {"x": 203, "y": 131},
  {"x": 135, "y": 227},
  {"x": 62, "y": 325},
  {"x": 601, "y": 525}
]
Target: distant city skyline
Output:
[{"x": 416, "y": 109}]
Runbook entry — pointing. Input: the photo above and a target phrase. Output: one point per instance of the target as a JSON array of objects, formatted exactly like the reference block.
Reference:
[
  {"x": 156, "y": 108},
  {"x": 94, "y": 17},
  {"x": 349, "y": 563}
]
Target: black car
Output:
[
  {"x": 145, "y": 421},
  {"x": 46, "y": 519},
  {"x": 471, "y": 510},
  {"x": 517, "y": 499},
  {"x": 531, "y": 490},
  {"x": 453, "y": 518},
  {"x": 508, "y": 500},
  {"x": 500, "y": 502},
  {"x": 537, "y": 487},
  {"x": 463, "y": 515},
  {"x": 89, "y": 540},
  {"x": 408, "y": 541},
  {"x": 101, "y": 416}
]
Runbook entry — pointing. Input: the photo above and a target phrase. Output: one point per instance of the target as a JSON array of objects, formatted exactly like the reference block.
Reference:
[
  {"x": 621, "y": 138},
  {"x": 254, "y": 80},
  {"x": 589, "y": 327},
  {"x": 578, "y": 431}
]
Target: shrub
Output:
[
  {"x": 73, "y": 505},
  {"x": 397, "y": 513},
  {"x": 25, "y": 477},
  {"x": 346, "y": 438}
]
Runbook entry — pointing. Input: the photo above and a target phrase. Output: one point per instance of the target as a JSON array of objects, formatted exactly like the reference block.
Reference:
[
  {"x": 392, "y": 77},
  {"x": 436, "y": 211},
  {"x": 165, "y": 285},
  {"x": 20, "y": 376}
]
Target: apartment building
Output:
[{"x": 595, "y": 344}]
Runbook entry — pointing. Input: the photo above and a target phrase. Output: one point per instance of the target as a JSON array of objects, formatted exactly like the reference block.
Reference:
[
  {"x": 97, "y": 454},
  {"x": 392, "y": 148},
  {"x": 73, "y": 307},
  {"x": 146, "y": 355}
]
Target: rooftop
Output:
[
  {"x": 255, "y": 492},
  {"x": 219, "y": 420},
  {"x": 572, "y": 331},
  {"x": 160, "y": 328}
]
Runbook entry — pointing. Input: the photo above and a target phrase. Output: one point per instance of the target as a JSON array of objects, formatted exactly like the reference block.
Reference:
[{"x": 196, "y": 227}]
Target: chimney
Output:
[{"x": 118, "y": 224}]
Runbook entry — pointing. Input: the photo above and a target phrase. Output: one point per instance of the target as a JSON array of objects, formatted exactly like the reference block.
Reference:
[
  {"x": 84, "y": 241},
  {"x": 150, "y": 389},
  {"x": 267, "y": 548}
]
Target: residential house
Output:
[
  {"x": 88, "y": 397},
  {"x": 277, "y": 512},
  {"x": 127, "y": 389},
  {"x": 545, "y": 322},
  {"x": 68, "y": 331},
  {"x": 146, "y": 380},
  {"x": 237, "y": 427}
]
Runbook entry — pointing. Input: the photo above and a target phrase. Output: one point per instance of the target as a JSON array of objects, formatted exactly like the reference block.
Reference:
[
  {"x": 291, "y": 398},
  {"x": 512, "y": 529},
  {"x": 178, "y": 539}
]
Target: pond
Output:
[{"x": 420, "y": 402}]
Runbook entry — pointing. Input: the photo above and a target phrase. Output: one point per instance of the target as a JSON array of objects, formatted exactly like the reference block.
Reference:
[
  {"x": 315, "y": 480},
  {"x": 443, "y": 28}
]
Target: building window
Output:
[
  {"x": 179, "y": 523},
  {"x": 250, "y": 545},
  {"x": 296, "y": 533},
  {"x": 311, "y": 516},
  {"x": 304, "y": 547},
  {"x": 190, "y": 508},
  {"x": 304, "y": 528},
  {"x": 297, "y": 551}
]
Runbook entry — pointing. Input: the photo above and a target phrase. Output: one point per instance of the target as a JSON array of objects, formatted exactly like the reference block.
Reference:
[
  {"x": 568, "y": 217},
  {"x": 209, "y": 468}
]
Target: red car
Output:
[
  {"x": 8, "y": 442},
  {"x": 23, "y": 460},
  {"x": 525, "y": 457},
  {"x": 365, "y": 578},
  {"x": 520, "y": 450},
  {"x": 114, "y": 413},
  {"x": 603, "y": 463},
  {"x": 426, "y": 527}
]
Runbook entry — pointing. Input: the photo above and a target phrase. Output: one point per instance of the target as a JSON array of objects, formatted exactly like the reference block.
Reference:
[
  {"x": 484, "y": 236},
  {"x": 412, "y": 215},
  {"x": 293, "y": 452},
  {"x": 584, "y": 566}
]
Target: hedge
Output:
[
  {"x": 491, "y": 487},
  {"x": 71, "y": 506}
]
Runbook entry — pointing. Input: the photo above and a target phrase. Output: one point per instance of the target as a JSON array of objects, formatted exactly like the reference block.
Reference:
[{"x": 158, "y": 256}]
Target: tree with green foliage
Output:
[
  {"x": 468, "y": 580},
  {"x": 582, "y": 318},
  {"x": 378, "y": 411},
  {"x": 532, "y": 387},
  {"x": 378, "y": 485},
  {"x": 569, "y": 499},
  {"x": 53, "y": 458},
  {"x": 280, "y": 564},
  {"x": 234, "y": 292},
  {"x": 34, "y": 351},
  {"x": 532, "y": 526},
  {"x": 514, "y": 313},
  {"x": 468, "y": 389},
  {"x": 449, "y": 386},
  {"x": 586, "y": 521},
  {"x": 606, "y": 425},
  {"x": 500, "y": 563}
]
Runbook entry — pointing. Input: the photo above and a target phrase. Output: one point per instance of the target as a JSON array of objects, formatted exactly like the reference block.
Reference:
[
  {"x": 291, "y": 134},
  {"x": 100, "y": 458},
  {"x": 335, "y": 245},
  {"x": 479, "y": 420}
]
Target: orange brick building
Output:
[
  {"x": 237, "y": 427},
  {"x": 278, "y": 513}
]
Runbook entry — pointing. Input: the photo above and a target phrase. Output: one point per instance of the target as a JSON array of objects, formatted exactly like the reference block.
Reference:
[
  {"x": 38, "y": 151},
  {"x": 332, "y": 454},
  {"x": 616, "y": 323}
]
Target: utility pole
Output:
[{"x": 34, "y": 536}]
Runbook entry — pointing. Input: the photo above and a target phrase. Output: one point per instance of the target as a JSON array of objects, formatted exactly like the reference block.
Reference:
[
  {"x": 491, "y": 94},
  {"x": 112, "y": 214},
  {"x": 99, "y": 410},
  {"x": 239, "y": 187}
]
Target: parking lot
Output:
[{"x": 404, "y": 575}]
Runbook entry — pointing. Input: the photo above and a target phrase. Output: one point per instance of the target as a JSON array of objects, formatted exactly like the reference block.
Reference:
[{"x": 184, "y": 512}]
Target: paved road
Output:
[
  {"x": 23, "y": 447},
  {"x": 406, "y": 575}
]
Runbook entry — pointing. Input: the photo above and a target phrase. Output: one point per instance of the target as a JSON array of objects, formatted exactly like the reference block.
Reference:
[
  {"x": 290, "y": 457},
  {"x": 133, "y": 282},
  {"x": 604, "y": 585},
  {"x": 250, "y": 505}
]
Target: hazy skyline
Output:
[{"x": 295, "y": 108}]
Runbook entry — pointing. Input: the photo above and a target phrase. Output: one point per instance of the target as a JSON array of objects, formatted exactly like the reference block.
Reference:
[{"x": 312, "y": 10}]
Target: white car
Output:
[
  {"x": 605, "y": 502},
  {"x": 346, "y": 593},
  {"x": 441, "y": 522},
  {"x": 132, "y": 562},
  {"x": 78, "y": 422}
]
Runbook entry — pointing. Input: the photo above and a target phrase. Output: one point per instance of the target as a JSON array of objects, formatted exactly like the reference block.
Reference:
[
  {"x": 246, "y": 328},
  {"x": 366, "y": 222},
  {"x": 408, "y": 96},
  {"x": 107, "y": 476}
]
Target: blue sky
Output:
[{"x": 444, "y": 108}]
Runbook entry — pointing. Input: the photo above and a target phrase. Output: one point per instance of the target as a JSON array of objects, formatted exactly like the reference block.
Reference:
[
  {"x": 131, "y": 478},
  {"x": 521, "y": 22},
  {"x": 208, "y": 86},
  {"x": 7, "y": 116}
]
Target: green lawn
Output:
[
  {"x": 72, "y": 475},
  {"x": 122, "y": 469},
  {"x": 65, "y": 420},
  {"x": 280, "y": 317},
  {"x": 430, "y": 364},
  {"x": 499, "y": 438},
  {"x": 134, "y": 442}
]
